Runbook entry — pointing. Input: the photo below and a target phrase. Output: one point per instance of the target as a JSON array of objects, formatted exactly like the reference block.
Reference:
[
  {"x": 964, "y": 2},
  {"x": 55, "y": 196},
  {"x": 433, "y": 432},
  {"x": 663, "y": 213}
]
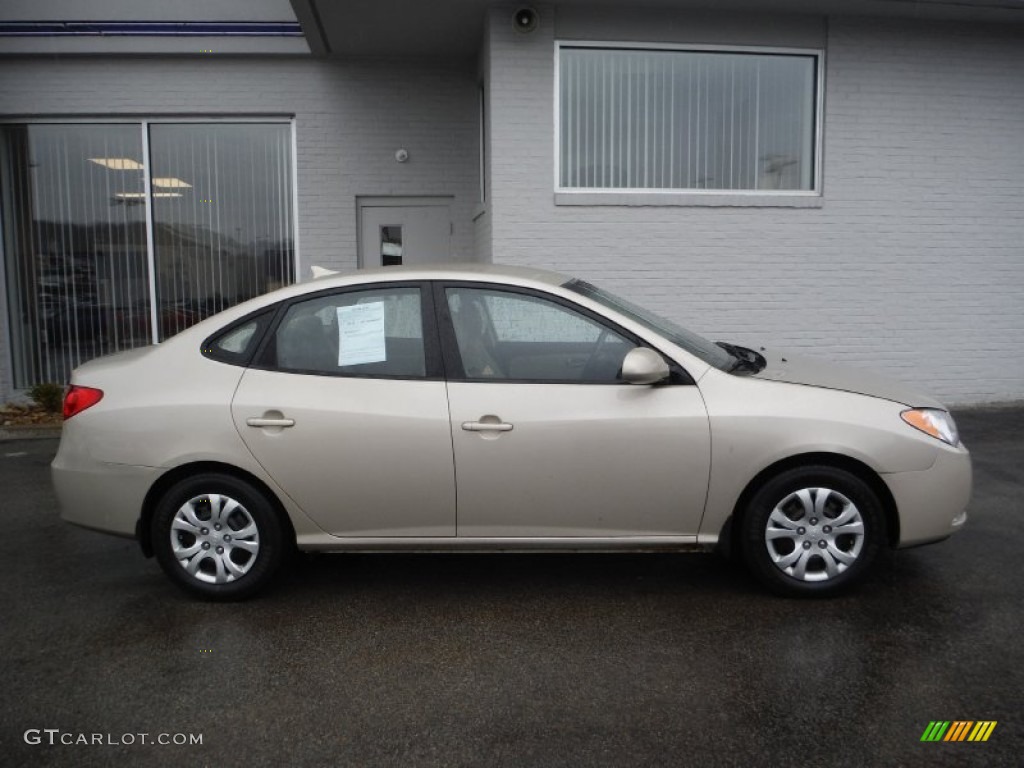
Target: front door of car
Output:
[
  {"x": 345, "y": 408},
  {"x": 548, "y": 440}
]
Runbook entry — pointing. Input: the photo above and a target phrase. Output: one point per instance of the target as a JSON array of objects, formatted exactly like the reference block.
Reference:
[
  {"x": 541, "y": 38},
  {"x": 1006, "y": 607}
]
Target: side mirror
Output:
[{"x": 644, "y": 366}]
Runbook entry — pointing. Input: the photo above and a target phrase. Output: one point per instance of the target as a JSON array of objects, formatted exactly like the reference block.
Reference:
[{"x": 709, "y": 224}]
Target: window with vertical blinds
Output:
[
  {"x": 74, "y": 245},
  {"x": 222, "y": 216},
  {"x": 107, "y": 247},
  {"x": 682, "y": 120}
]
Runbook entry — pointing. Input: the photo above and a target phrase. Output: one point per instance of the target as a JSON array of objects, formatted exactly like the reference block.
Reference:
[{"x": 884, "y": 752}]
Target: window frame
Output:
[
  {"x": 693, "y": 196},
  {"x": 265, "y": 317},
  {"x": 453, "y": 359},
  {"x": 265, "y": 356},
  {"x": 143, "y": 122}
]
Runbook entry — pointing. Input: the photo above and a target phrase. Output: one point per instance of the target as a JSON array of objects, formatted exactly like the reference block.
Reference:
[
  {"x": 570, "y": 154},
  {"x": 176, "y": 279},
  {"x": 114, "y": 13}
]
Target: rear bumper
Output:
[
  {"x": 103, "y": 497},
  {"x": 932, "y": 503}
]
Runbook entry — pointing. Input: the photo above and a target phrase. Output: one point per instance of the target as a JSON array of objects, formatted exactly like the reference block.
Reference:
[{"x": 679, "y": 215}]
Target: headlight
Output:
[{"x": 932, "y": 421}]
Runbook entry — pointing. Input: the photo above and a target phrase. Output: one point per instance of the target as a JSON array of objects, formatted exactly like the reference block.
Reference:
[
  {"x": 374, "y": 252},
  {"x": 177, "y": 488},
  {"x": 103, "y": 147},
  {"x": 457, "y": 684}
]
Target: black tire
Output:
[
  {"x": 232, "y": 569},
  {"x": 833, "y": 557}
]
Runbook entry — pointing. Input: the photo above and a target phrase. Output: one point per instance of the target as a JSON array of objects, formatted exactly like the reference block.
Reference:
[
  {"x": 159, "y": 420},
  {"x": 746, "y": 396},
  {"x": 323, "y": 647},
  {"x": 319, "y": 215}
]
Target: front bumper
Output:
[{"x": 932, "y": 503}]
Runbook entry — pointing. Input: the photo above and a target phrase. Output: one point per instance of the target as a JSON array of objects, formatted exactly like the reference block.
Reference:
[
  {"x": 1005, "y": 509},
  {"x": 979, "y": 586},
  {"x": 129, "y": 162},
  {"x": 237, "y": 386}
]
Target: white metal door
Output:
[{"x": 402, "y": 231}]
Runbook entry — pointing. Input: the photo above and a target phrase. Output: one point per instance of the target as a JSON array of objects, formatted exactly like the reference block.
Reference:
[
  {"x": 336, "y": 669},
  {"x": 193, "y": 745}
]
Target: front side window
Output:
[
  {"x": 518, "y": 337},
  {"x": 375, "y": 332},
  {"x": 663, "y": 120}
]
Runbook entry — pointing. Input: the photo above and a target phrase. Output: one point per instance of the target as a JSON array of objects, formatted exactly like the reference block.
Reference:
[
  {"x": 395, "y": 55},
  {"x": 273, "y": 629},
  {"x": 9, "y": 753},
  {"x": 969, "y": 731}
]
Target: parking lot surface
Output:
[{"x": 511, "y": 660}]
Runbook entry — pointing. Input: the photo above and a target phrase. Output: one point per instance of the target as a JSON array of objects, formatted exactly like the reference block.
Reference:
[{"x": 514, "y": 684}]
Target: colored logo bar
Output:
[{"x": 958, "y": 730}]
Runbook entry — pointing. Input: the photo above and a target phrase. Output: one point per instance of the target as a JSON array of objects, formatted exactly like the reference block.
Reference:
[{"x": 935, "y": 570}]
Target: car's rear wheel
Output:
[
  {"x": 812, "y": 531},
  {"x": 217, "y": 537}
]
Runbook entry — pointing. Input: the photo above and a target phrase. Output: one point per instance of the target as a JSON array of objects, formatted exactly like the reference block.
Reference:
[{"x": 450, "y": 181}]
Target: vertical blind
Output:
[
  {"x": 75, "y": 232},
  {"x": 75, "y": 246},
  {"x": 222, "y": 216},
  {"x": 686, "y": 120}
]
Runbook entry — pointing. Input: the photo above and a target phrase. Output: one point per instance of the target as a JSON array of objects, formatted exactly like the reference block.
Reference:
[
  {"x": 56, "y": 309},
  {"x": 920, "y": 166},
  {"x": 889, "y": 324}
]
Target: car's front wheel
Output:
[
  {"x": 217, "y": 537},
  {"x": 812, "y": 530}
]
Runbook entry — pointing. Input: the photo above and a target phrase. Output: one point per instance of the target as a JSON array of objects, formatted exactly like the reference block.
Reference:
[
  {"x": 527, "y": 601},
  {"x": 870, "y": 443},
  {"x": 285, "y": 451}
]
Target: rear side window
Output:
[
  {"x": 237, "y": 343},
  {"x": 370, "y": 332}
]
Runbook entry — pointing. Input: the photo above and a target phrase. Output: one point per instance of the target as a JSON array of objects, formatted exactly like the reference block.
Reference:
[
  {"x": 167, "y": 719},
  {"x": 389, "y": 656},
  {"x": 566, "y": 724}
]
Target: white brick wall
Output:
[
  {"x": 914, "y": 264},
  {"x": 350, "y": 119}
]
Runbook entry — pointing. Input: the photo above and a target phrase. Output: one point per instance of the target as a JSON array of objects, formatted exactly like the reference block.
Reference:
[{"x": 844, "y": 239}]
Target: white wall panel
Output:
[{"x": 913, "y": 263}]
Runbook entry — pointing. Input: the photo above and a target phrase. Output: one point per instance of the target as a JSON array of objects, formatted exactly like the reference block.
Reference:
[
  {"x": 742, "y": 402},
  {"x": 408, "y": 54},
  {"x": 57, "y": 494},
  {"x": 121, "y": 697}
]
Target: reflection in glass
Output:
[
  {"x": 73, "y": 206},
  {"x": 222, "y": 216},
  {"x": 74, "y": 244},
  {"x": 391, "y": 246},
  {"x": 636, "y": 119}
]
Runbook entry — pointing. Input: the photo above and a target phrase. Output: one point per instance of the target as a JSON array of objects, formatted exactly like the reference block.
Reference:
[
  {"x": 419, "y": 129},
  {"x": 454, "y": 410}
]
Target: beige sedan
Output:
[{"x": 495, "y": 409}]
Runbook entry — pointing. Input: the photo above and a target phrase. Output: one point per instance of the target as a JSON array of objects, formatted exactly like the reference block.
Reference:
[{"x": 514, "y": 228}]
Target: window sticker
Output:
[{"x": 361, "y": 334}]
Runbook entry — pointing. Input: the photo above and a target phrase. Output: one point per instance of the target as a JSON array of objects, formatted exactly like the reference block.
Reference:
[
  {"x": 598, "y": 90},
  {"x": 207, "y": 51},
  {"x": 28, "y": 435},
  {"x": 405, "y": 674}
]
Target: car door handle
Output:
[
  {"x": 254, "y": 422},
  {"x": 486, "y": 426}
]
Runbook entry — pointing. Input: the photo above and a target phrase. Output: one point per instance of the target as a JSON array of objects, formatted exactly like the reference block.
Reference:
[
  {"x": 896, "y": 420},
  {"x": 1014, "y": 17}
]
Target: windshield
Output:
[{"x": 707, "y": 351}]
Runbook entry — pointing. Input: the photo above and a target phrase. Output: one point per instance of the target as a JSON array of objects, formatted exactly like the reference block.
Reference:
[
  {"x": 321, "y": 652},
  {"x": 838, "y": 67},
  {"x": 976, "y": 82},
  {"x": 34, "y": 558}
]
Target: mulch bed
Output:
[{"x": 14, "y": 416}]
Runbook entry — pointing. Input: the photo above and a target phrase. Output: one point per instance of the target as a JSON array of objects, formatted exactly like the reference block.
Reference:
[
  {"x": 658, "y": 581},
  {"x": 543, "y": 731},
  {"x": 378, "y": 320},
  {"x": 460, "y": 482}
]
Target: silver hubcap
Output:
[
  {"x": 214, "y": 538},
  {"x": 814, "y": 534}
]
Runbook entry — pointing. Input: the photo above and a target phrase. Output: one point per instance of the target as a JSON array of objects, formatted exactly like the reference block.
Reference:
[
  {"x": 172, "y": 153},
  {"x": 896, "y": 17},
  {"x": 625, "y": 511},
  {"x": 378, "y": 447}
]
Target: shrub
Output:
[{"x": 48, "y": 396}]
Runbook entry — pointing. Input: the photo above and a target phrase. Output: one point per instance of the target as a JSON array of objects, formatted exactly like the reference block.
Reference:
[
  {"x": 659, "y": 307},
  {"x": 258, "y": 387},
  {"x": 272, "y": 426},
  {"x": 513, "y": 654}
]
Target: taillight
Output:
[{"x": 78, "y": 399}]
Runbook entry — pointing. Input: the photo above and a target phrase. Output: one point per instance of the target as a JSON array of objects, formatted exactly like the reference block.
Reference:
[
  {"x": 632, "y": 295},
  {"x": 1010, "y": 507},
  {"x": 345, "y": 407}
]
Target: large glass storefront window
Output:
[
  {"x": 77, "y": 232},
  {"x": 222, "y": 217},
  {"x": 75, "y": 245}
]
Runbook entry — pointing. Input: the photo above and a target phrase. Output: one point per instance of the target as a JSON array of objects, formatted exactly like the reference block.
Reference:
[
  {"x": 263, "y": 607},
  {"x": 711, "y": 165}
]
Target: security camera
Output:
[{"x": 525, "y": 20}]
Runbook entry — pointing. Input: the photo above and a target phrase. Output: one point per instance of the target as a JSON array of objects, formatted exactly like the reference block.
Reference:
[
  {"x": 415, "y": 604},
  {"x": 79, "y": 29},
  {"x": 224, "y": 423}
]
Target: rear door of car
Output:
[
  {"x": 548, "y": 440},
  {"x": 345, "y": 408}
]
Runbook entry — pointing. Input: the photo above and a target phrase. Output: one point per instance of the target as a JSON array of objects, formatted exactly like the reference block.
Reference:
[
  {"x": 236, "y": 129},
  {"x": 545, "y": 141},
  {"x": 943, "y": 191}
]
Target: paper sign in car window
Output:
[{"x": 361, "y": 334}]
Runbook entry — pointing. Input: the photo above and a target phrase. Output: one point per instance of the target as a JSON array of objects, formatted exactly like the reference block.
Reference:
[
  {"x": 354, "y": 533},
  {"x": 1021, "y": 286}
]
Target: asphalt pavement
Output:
[{"x": 511, "y": 660}]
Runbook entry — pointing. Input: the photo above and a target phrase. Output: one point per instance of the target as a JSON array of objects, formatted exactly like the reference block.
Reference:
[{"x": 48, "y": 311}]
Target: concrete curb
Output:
[{"x": 28, "y": 433}]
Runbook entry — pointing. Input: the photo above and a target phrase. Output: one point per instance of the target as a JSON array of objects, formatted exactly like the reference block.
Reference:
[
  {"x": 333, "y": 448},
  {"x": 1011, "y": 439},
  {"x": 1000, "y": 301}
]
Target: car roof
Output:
[{"x": 443, "y": 271}]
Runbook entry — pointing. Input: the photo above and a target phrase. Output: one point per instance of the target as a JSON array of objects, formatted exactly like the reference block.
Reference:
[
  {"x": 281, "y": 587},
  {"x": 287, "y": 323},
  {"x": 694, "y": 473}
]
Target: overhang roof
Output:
[
  {"x": 181, "y": 27},
  {"x": 453, "y": 29}
]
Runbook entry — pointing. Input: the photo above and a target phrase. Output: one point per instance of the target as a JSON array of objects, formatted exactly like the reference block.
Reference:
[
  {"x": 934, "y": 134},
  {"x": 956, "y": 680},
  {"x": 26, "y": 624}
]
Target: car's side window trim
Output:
[
  {"x": 265, "y": 316},
  {"x": 266, "y": 357},
  {"x": 450, "y": 348},
  {"x": 280, "y": 309}
]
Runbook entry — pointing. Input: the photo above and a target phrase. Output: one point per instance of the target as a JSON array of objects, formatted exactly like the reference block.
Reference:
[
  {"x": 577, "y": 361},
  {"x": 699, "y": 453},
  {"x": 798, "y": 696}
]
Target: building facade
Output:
[{"x": 840, "y": 179}]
